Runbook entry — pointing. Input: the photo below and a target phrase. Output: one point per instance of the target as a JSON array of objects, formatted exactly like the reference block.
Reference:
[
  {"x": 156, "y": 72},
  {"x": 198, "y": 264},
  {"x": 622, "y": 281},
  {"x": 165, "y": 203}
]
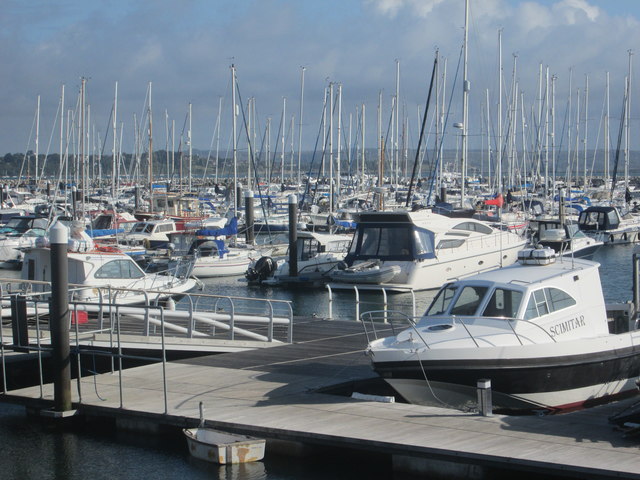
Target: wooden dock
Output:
[{"x": 273, "y": 392}]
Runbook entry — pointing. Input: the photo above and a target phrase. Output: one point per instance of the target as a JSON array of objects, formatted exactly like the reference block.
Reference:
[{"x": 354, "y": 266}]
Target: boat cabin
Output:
[
  {"x": 598, "y": 218},
  {"x": 546, "y": 298}
]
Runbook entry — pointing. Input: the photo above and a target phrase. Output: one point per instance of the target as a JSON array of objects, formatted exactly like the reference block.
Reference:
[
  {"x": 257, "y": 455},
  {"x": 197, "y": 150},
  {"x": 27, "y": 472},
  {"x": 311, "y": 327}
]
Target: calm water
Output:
[{"x": 32, "y": 449}]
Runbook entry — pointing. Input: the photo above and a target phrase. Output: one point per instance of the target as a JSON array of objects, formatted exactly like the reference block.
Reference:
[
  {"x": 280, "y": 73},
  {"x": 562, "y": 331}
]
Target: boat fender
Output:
[{"x": 611, "y": 238}]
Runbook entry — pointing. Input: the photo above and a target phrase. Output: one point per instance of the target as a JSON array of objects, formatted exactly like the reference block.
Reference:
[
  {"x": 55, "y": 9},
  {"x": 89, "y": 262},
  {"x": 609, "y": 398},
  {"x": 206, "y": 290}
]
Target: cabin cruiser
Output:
[
  {"x": 152, "y": 234},
  {"x": 18, "y": 234},
  {"x": 96, "y": 272},
  {"x": 565, "y": 238},
  {"x": 422, "y": 250},
  {"x": 210, "y": 254},
  {"x": 317, "y": 255},
  {"x": 607, "y": 224},
  {"x": 539, "y": 330}
]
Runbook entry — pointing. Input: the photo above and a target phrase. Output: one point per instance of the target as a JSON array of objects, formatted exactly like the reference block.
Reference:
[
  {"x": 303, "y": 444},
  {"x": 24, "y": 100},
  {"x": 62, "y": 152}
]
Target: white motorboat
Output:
[
  {"x": 425, "y": 250},
  {"x": 318, "y": 254},
  {"x": 565, "y": 238},
  {"x": 607, "y": 224},
  {"x": 19, "y": 234},
  {"x": 152, "y": 234},
  {"x": 538, "y": 330},
  {"x": 106, "y": 270}
]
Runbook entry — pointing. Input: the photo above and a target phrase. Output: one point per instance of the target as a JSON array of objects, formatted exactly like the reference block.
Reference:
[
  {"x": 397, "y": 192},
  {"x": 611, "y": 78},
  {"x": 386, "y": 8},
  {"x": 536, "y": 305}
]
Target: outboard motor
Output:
[{"x": 263, "y": 269}]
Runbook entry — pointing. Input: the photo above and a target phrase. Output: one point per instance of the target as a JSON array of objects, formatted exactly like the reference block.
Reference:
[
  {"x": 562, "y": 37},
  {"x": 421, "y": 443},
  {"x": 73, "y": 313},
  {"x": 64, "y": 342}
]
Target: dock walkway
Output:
[{"x": 272, "y": 392}]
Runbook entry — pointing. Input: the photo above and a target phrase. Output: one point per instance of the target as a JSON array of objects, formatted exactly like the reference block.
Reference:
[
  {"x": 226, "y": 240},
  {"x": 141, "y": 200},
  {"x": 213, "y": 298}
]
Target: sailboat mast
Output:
[
  {"x": 300, "y": 120},
  {"x": 465, "y": 105},
  {"x": 150, "y": 153},
  {"x": 114, "y": 146},
  {"x": 235, "y": 143}
]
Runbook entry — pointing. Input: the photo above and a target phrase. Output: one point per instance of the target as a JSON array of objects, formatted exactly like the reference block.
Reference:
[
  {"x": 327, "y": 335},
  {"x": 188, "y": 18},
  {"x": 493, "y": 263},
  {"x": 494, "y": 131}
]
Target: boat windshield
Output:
[
  {"x": 503, "y": 303},
  {"x": 142, "y": 227},
  {"x": 442, "y": 301},
  {"x": 391, "y": 242},
  {"x": 468, "y": 300}
]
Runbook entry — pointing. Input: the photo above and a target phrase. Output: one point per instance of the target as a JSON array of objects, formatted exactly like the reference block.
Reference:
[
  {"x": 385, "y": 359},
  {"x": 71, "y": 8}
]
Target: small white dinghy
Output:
[{"x": 221, "y": 447}]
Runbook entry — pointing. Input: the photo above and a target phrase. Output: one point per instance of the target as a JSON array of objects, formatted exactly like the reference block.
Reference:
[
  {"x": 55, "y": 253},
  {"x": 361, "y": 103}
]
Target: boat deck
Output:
[{"x": 273, "y": 393}]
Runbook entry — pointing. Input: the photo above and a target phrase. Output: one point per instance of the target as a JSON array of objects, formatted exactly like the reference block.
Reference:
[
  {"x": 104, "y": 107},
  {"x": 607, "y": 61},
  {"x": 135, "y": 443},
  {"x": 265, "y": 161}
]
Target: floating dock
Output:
[{"x": 274, "y": 393}]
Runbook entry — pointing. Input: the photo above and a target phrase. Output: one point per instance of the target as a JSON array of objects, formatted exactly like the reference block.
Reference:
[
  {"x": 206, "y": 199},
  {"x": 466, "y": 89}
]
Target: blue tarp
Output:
[
  {"x": 230, "y": 228},
  {"x": 104, "y": 232}
]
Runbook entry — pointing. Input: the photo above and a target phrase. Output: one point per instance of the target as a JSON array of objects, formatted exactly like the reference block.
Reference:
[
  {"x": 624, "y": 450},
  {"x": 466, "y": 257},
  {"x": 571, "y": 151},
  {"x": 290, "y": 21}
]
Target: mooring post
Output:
[
  {"x": 293, "y": 236},
  {"x": 19, "y": 326},
  {"x": 248, "y": 217},
  {"x": 485, "y": 407},
  {"x": 59, "y": 317}
]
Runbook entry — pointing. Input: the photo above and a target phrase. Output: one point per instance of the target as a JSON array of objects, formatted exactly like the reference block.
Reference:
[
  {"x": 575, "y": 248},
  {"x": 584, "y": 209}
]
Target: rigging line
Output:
[{"x": 424, "y": 122}]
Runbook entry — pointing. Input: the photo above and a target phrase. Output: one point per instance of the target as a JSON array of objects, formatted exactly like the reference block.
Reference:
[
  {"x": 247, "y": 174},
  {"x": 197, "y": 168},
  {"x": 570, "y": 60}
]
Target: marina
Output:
[
  {"x": 296, "y": 395},
  {"x": 404, "y": 277}
]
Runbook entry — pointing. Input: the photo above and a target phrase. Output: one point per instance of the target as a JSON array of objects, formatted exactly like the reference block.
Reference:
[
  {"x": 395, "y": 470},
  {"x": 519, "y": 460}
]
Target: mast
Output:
[
  {"x": 607, "y": 139},
  {"x": 235, "y": 143},
  {"x": 628, "y": 124},
  {"x": 363, "y": 149},
  {"x": 338, "y": 147},
  {"x": 37, "y": 139},
  {"x": 62, "y": 130},
  {"x": 114, "y": 146},
  {"x": 190, "y": 151},
  {"x": 218, "y": 135},
  {"x": 465, "y": 105},
  {"x": 300, "y": 120},
  {"x": 499, "y": 140},
  {"x": 150, "y": 153}
]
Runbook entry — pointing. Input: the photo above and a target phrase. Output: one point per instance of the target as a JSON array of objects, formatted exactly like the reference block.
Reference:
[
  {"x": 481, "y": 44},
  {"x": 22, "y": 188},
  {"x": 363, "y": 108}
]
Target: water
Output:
[{"x": 34, "y": 449}]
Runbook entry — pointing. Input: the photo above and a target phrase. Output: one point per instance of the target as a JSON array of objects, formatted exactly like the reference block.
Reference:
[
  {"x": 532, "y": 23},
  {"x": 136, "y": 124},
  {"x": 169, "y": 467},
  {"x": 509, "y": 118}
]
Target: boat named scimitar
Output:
[{"x": 538, "y": 330}]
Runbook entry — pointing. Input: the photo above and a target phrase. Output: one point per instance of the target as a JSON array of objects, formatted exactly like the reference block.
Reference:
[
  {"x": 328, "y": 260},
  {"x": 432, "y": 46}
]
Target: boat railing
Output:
[{"x": 377, "y": 321}]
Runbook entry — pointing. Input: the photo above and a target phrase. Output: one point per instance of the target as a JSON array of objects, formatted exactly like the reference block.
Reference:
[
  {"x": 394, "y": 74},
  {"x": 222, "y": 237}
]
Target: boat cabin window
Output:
[
  {"x": 383, "y": 242},
  {"x": 468, "y": 301},
  {"x": 441, "y": 303},
  {"x": 308, "y": 248},
  {"x": 452, "y": 243},
  {"x": 473, "y": 227},
  {"x": 423, "y": 240},
  {"x": 547, "y": 300},
  {"x": 142, "y": 227},
  {"x": 503, "y": 303},
  {"x": 120, "y": 269}
]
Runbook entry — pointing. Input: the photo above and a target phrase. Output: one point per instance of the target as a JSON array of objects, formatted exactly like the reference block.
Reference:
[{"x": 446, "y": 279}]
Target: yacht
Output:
[
  {"x": 318, "y": 254},
  {"x": 95, "y": 272},
  {"x": 422, "y": 250},
  {"x": 538, "y": 330},
  {"x": 565, "y": 238},
  {"x": 609, "y": 225},
  {"x": 18, "y": 234}
]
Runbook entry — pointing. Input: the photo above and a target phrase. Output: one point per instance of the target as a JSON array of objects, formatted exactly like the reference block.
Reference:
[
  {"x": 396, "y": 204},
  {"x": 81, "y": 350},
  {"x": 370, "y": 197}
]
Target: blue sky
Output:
[{"x": 185, "y": 48}]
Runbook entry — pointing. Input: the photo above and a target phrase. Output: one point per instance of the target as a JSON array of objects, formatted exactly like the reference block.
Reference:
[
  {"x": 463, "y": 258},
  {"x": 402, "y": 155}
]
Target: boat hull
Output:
[
  {"x": 558, "y": 383},
  {"x": 223, "y": 448}
]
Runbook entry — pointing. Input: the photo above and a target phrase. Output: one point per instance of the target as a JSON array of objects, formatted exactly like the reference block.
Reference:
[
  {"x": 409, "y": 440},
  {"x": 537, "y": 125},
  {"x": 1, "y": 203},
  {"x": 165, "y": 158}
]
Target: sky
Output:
[{"x": 182, "y": 51}]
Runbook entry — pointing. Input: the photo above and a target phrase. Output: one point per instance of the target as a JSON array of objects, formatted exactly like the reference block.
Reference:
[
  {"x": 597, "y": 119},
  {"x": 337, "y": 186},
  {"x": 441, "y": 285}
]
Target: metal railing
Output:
[
  {"x": 113, "y": 320},
  {"x": 373, "y": 288},
  {"x": 373, "y": 320}
]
